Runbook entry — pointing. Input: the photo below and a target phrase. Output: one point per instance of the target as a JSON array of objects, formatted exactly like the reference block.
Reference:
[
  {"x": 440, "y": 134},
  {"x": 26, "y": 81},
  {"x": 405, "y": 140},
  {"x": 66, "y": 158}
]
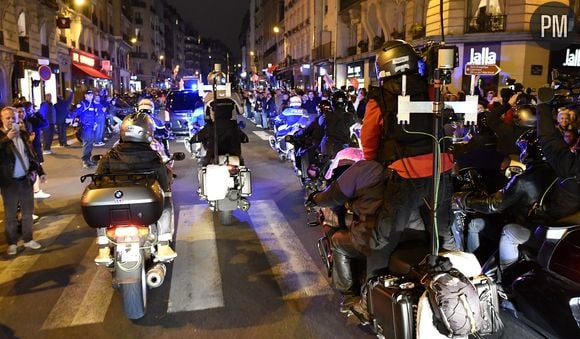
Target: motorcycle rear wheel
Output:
[
  {"x": 135, "y": 296},
  {"x": 225, "y": 217}
]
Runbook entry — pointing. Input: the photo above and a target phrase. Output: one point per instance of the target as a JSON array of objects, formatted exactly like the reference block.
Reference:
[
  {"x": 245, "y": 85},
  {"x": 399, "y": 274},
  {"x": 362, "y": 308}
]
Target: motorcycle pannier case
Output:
[
  {"x": 107, "y": 202},
  {"x": 487, "y": 291},
  {"x": 392, "y": 304}
]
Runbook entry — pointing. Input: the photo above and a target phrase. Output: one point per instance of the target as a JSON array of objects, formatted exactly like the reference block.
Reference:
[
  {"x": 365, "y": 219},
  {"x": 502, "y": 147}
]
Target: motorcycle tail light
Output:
[{"x": 127, "y": 231}]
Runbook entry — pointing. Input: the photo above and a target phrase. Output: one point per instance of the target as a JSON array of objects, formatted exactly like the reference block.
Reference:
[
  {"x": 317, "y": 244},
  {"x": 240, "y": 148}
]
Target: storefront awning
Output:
[{"x": 89, "y": 71}]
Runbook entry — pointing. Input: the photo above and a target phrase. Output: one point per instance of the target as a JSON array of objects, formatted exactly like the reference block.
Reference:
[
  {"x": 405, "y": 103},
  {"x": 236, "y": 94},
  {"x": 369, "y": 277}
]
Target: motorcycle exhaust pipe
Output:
[{"x": 156, "y": 275}]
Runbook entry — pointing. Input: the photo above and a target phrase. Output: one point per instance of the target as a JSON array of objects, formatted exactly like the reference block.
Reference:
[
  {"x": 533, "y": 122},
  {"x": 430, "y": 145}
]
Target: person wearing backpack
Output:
[{"x": 407, "y": 158}]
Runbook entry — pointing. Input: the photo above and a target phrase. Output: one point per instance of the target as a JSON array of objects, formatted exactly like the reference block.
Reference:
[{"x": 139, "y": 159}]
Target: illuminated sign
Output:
[
  {"x": 482, "y": 57},
  {"x": 355, "y": 70},
  {"x": 83, "y": 59},
  {"x": 572, "y": 58}
]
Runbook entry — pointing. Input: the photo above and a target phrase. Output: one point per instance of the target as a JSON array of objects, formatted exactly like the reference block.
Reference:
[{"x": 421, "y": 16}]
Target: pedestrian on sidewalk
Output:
[
  {"x": 18, "y": 167},
  {"x": 62, "y": 112},
  {"x": 48, "y": 112}
]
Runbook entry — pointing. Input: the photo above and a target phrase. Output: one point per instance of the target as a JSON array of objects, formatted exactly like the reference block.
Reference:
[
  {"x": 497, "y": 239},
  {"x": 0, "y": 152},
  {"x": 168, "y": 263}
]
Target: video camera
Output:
[{"x": 438, "y": 61}]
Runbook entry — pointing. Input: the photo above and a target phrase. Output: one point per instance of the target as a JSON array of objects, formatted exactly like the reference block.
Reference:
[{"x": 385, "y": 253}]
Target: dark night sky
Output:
[{"x": 216, "y": 19}]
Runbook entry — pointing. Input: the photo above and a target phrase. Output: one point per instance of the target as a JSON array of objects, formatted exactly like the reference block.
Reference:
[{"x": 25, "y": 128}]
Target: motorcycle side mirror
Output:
[
  {"x": 241, "y": 124},
  {"x": 96, "y": 157},
  {"x": 178, "y": 156}
]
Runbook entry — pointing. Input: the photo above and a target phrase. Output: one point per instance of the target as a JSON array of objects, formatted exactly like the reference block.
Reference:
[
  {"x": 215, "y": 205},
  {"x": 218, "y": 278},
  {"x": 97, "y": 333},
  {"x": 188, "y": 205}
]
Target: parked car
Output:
[{"x": 184, "y": 108}]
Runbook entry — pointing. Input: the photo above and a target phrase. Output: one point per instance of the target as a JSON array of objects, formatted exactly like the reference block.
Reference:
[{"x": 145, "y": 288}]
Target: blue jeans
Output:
[{"x": 88, "y": 136}]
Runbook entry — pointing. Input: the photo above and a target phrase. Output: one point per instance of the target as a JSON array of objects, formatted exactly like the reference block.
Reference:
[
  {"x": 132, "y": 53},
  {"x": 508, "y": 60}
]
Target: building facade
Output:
[{"x": 338, "y": 39}]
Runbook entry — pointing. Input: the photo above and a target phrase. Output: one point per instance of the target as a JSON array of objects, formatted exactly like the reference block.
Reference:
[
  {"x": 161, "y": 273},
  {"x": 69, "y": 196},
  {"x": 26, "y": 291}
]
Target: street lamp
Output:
[
  {"x": 79, "y": 2},
  {"x": 277, "y": 30},
  {"x": 133, "y": 40}
]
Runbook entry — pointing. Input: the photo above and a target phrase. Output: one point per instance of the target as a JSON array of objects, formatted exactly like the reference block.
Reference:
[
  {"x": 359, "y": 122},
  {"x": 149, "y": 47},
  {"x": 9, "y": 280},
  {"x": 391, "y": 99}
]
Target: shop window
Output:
[{"x": 485, "y": 16}]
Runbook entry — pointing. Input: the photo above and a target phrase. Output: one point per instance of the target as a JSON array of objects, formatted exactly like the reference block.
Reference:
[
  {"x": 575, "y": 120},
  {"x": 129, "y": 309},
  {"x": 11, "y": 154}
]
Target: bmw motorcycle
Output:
[{"x": 129, "y": 205}]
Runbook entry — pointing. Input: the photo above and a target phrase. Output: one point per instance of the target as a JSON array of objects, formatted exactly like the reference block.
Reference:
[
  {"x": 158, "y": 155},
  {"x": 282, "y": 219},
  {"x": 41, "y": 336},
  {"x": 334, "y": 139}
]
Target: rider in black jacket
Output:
[
  {"x": 520, "y": 196},
  {"x": 134, "y": 154}
]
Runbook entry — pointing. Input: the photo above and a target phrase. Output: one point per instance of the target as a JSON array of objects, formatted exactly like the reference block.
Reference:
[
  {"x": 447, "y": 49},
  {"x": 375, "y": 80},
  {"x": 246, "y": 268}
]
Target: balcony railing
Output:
[
  {"x": 488, "y": 23},
  {"x": 24, "y": 43},
  {"x": 44, "y": 51},
  {"x": 322, "y": 52}
]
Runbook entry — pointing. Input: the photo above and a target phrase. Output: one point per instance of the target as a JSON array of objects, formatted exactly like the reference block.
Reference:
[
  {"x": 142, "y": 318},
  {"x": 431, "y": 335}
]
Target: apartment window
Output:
[
  {"x": 485, "y": 16},
  {"x": 22, "y": 24}
]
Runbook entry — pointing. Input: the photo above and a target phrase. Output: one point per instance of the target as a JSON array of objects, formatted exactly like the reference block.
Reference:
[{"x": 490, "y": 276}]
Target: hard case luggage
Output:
[{"x": 392, "y": 306}]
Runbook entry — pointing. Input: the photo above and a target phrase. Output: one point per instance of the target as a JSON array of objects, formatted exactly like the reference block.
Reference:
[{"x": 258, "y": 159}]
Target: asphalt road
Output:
[{"x": 257, "y": 278}]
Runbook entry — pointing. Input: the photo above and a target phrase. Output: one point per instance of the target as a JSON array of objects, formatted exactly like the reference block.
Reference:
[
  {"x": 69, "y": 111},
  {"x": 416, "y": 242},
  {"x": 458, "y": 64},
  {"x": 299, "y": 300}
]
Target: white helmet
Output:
[
  {"x": 146, "y": 105},
  {"x": 295, "y": 101}
]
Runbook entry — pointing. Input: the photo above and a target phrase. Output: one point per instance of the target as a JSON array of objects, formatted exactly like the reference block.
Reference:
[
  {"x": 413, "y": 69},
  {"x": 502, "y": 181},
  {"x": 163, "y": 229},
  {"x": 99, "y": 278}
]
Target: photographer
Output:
[{"x": 507, "y": 131}]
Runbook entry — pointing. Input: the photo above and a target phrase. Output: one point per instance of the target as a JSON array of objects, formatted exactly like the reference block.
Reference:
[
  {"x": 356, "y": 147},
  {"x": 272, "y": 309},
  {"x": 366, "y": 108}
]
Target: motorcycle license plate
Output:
[{"x": 128, "y": 252}]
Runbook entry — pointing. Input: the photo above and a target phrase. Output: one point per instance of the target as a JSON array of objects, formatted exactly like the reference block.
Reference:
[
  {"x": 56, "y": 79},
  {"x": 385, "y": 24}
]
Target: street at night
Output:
[{"x": 387, "y": 169}]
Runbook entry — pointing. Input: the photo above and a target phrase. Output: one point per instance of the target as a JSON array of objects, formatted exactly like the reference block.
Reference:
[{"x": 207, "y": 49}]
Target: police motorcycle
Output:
[
  {"x": 412, "y": 299},
  {"x": 129, "y": 205},
  {"x": 192, "y": 144},
  {"x": 291, "y": 120},
  {"x": 162, "y": 133},
  {"x": 226, "y": 182}
]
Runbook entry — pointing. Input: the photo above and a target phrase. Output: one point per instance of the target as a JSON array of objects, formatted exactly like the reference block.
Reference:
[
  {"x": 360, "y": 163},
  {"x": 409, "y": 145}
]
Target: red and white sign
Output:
[
  {"x": 82, "y": 58},
  {"x": 471, "y": 69}
]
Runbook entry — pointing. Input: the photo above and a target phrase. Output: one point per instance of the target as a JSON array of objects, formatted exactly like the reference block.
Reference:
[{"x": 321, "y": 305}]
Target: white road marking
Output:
[
  {"x": 293, "y": 268},
  {"x": 87, "y": 297},
  {"x": 45, "y": 232},
  {"x": 196, "y": 278},
  {"x": 263, "y": 135}
]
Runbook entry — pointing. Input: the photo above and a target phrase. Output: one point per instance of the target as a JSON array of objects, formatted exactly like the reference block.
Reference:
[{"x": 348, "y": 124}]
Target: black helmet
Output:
[
  {"x": 338, "y": 100},
  {"x": 137, "y": 127},
  {"x": 530, "y": 148},
  {"x": 324, "y": 106},
  {"x": 525, "y": 116},
  {"x": 396, "y": 57}
]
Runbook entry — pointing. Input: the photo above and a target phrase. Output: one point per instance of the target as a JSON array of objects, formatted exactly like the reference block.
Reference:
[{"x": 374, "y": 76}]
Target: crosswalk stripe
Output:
[
  {"x": 15, "y": 268},
  {"x": 196, "y": 279},
  {"x": 86, "y": 298},
  {"x": 293, "y": 268},
  {"x": 263, "y": 135}
]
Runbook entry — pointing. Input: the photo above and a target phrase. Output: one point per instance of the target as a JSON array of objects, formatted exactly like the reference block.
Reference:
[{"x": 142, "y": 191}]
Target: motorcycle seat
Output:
[{"x": 412, "y": 248}]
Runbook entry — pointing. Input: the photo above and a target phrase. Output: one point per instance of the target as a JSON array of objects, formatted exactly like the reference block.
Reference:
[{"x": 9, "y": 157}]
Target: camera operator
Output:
[{"x": 408, "y": 158}]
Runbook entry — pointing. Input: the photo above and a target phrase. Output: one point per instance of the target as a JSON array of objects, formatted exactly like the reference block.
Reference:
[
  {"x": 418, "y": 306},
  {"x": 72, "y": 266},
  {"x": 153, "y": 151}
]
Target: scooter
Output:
[{"x": 129, "y": 205}]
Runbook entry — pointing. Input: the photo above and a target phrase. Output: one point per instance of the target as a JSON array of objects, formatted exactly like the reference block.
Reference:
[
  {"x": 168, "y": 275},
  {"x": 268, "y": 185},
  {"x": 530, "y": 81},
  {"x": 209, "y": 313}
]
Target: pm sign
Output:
[{"x": 553, "y": 26}]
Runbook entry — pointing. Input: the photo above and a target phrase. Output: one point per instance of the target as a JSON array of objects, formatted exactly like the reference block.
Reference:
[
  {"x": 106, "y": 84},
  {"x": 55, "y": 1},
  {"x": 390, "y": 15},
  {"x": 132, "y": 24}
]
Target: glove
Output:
[
  {"x": 459, "y": 200},
  {"x": 310, "y": 203}
]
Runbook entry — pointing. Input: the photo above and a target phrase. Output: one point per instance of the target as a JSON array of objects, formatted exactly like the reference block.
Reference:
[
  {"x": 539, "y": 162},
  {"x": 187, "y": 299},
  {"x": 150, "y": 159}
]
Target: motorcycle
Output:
[
  {"x": 226, "y": 186},
  {"x": 129, "y": 205},
  {"x": 192, "y": 144},
  {"x": 280, "y": 143}
]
